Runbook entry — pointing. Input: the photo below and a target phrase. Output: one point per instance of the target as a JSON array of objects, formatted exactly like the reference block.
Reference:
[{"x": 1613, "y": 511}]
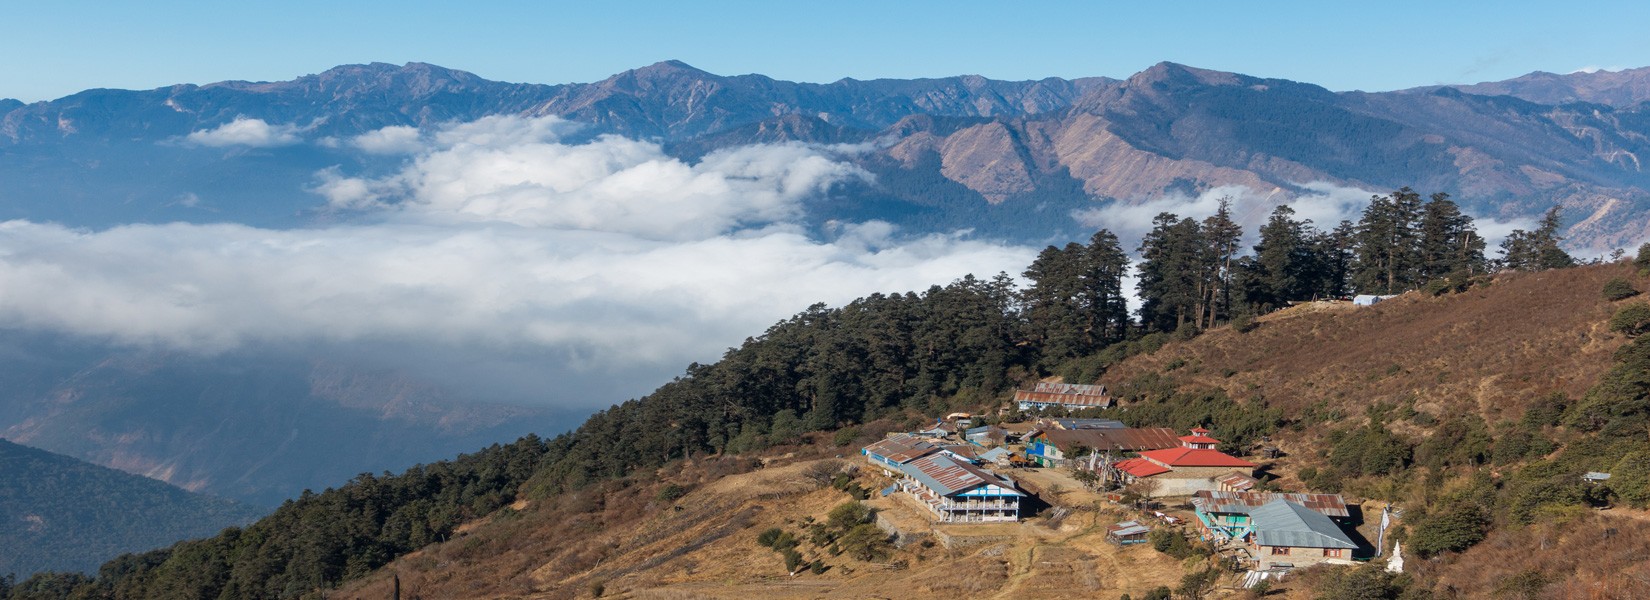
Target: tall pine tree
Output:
[
  {"x": 1221, "y": 236},
  {"x": 1450, "y": 244},
  {"x": 1171, "y": 267},
  {"x": 1105, "y": 305},
  {"x": 1536, "y": 250},
  {"x": 1389, "y": 244}
]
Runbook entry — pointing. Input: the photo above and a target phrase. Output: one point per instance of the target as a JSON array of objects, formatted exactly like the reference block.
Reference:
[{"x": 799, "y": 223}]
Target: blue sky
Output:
[{"x": 56, "y": 48}]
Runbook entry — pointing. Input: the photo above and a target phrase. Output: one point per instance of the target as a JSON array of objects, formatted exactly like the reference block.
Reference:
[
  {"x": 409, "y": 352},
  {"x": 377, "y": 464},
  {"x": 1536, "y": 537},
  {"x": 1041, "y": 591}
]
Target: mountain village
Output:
[{"x": 950, "y": 479}]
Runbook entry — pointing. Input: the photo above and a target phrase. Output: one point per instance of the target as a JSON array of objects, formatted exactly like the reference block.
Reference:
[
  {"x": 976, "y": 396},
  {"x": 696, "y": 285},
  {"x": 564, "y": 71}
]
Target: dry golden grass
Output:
[
  {"x": 1591, "y": 556},
  {"x": 1488, "y": 350},
  {"x": 636, "y": 547}
]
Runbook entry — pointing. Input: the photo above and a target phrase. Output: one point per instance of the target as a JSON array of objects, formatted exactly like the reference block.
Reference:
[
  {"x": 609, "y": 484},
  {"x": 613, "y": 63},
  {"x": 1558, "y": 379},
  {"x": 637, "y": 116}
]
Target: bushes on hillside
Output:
[
  {"x": 1633, "y": 319},
  {"x": 1172, "y": 543},
  {"x": 1454, "y": 528},
  {"x": 1366, "y": 582},
  {"x": 1369, "y": 450},
  {"x": 1630, "y": 479},
  {"x": 1619, "y": 288}
]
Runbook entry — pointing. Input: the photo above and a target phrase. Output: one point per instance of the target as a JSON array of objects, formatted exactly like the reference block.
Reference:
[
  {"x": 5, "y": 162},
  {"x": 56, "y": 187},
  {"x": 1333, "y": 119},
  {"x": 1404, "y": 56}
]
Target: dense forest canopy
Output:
[{"x": 959, "y": 344}]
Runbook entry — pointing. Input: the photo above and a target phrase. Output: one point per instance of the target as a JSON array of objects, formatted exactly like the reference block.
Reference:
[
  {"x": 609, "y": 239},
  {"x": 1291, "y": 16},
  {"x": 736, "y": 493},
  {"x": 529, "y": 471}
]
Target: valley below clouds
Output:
[{"x": 499, "y": 260}]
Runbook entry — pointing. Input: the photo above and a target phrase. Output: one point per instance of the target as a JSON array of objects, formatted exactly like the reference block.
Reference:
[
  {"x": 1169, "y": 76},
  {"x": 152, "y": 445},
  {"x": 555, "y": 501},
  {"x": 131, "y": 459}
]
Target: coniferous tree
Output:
[
  {"x": 1283, "y": 268},
  {"x": 1336, "y": 253},
  {"x": 1054, "y": 302},
  {"x": 1536, "y": 250},
  {"x": 1389, "y": 244},
  {"x": 1221, "y": 236},
  {"x": 1450, "y": 244},
  {"x": 1171, "y": 258},
  {"x": 1104, "y": 303}
]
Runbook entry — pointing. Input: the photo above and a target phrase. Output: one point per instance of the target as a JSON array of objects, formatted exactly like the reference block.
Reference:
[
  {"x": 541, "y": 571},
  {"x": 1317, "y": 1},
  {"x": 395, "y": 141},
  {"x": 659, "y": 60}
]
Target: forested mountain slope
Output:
[{"x": 62, "y": 514}]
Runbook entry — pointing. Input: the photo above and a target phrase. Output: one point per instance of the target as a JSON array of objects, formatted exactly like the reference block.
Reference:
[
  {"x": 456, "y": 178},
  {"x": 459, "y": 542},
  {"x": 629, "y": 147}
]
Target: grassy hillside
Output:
[
  {"x": 63, "y": 514},
  {"x": 635, "y": 539},
  {"x": 1489, "y": 351},
  {"x": 1451, "y": 381}
]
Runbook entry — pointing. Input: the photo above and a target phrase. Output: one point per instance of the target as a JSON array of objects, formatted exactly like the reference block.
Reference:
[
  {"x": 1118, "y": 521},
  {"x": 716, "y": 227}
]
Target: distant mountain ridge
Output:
[
  {"x": 1620, "y": 89},
  {"x": 947, "y": 150},
  {"x": 63, "y": 514}
]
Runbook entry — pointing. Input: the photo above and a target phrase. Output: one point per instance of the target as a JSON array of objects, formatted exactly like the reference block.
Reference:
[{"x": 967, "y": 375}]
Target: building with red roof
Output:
[{"x": 1192, "y": 467}]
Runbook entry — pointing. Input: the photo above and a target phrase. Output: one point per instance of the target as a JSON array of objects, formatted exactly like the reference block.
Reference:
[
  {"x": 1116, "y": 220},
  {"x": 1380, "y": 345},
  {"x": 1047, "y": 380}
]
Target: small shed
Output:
[
  {"x": 1127, "y": 532},
  {"x": 1595, "y": 477},
  {"x": 1368, "y": 299}
]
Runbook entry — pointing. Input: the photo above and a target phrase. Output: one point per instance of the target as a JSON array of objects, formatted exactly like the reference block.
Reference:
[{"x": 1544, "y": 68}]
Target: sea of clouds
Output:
[
  {"x": 505, "y": 260},
  {"x": 582, "y": 273}
]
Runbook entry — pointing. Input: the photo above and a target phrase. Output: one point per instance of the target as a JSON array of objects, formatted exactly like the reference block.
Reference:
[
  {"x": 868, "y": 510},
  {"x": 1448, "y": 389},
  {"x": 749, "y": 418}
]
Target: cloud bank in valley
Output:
[
  {"x": 1325, "y": 204},
  {"x": 243, "y": 131},
  {"x": 609, "y": 261},
  {"x": 517, "y": 171}
]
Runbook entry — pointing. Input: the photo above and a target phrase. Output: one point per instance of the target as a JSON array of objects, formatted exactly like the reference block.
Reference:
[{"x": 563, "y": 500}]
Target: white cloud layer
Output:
[
  {"x": 617, "y": 299},
  {"x": 609, "y": 262},
  {"x": 1325, "y": 204},
  {"x": 516, "y": 170},
  {"x": 254, "y": 133},
  {"x": 395, "y": 139}
]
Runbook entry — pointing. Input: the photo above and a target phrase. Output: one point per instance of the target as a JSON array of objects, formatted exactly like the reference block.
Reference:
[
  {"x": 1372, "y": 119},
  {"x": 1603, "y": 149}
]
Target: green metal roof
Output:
[{"x": 1285, "y": 523}]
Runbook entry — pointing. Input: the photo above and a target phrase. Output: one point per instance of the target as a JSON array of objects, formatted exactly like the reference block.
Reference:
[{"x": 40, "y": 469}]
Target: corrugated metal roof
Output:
[
  {"x": 1127, "y": 528},
  {"x": 947, "y": 476},
  {"x": 1237, "y": 481},
  {"x": 1088, "y": 423},
  {"x": 901, "y": 448},
  {"x": 994, "y": 454},
  {"x": 1331, "y": 505},
  {"x": 1115, "y": 440},
  {"x": 1196, "y": 457},
  {"x": 1069, "y": 388},
  {"x": 1284, "y": 523},
  {"x": 1085, "y": 400}
]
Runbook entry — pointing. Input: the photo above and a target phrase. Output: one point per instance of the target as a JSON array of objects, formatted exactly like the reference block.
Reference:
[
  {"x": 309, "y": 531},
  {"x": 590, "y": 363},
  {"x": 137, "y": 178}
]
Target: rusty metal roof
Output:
[
  {"x": 1237, "y": 481},
  {"x": 902, "y": 448},
  {"x": 1085, "y": 400},
  {"x": 1330, "y": 505},
  {"x": 947, "y": 476},
  {"x": 1115, "y": 440},
  {"x": 1069, "y": 388}
]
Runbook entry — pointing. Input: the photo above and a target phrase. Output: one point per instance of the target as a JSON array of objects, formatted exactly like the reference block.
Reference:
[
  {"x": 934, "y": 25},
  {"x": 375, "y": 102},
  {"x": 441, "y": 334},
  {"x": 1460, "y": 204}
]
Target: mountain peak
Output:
[
  {"x": 671, "y": 68},
  {"x": 1176, "y": 74}
]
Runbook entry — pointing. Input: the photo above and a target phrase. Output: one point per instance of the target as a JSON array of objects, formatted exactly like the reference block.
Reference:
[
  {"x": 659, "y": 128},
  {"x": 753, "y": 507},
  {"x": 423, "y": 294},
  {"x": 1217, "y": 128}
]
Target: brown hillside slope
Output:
[
  {"x": 703, "y": 545},
  {"x": 1489, "y": 350}
]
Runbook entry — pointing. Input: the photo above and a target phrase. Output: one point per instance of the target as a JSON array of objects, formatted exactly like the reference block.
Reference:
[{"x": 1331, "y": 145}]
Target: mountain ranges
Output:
[{"x": 1010, "y": 160}]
